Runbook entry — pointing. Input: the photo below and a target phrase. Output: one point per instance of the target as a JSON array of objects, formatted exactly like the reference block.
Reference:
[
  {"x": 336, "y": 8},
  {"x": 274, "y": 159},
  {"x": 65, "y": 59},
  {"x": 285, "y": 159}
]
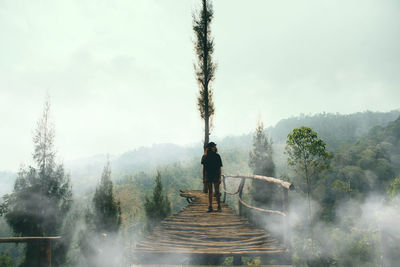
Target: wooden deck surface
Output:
[
  {"x": 193, "y": 231},
  {"x": 162, "y": 265}
]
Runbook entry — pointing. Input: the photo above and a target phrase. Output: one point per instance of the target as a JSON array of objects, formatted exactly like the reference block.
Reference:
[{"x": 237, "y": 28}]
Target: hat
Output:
[{"x": 211, "y": 144}]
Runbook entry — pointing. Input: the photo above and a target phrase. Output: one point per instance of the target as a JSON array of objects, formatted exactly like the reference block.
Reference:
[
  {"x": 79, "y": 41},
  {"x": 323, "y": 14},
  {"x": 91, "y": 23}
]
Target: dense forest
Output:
[
  {"x": 344, "y": 169},
  {"x": 359, "y": 182}
]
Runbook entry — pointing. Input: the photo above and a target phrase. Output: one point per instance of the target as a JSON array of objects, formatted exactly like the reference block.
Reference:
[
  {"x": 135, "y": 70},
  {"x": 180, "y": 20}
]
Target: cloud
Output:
[{"x": 120, "y": 73}]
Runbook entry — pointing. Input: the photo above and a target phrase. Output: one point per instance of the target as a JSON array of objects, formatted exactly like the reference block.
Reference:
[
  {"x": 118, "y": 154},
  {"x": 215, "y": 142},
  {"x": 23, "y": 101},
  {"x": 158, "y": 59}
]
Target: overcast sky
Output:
[{"x": 120, "y": 72}]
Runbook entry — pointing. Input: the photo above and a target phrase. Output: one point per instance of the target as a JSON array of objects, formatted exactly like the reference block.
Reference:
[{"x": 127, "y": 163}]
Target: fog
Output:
[
  {"x": 121, "y": 82},
  {"x": 120, "y": 73}
]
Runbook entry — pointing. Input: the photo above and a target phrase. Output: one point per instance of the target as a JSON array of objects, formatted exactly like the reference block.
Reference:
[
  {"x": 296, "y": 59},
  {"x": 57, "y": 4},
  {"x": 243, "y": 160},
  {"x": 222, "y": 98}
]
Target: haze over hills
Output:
[{"x": 334, "y": 129}]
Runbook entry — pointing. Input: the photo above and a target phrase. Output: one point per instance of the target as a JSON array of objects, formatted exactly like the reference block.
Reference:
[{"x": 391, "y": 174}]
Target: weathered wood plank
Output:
[{"x": 193, "y": 231}]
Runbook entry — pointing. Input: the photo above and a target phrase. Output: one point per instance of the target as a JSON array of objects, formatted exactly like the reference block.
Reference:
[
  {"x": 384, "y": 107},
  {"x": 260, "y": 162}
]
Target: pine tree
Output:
[
  {"x": 261, "y": 161},
  {"x": 42, "y": 196},
  {"x": 205, "y": 67},
  {"x": 103, "y": 220},
  {"x": 107, "y": 211},
  {"x": 158, "y": 207}
]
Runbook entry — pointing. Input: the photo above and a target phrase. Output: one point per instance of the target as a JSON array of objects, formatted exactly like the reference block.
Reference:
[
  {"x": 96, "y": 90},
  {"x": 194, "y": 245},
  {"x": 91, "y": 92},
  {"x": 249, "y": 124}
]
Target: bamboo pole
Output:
[
  {"x": 282, "y": 183},
  {"x": 285, "y": 208},
  {"x": 241, "y": 186},
  {"x": 224, "y": 186}
]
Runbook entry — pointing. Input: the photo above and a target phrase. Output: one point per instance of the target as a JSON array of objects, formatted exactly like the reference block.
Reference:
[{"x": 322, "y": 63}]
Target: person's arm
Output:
[
  {"x": 220, "y": 168},
  {"x": 203, "y": 175}
]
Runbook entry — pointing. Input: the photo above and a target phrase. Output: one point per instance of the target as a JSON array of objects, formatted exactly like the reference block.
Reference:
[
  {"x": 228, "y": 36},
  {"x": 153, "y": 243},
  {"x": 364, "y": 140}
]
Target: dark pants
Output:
[{"x": 210, "y": 191}]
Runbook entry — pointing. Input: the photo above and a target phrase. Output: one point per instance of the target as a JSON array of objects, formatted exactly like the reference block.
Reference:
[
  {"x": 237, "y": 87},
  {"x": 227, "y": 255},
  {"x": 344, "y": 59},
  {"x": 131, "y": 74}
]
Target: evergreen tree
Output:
[
  {"x": 5, "y": 261},
  {"x": 158, "y": 207},
  {"x": 42, "y": 196},
  {"x": 261, "y": 162},
  {"x": 107, "y": 211},
  {"x": 101, "y": 221},
  {"x": 205, "y": 67}
]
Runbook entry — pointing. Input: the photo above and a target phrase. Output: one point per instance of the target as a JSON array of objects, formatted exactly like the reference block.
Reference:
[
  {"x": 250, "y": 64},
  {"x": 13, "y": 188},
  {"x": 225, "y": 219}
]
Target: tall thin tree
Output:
[
  {"x": 107, "y": 210},
  {"x": 262, "y": 163},
  {"x": 102, "y": 223},
  {"x": 158, "y": 207},
  {"x": 42, "y": 196},
  {"x": 204, "y": 67}
]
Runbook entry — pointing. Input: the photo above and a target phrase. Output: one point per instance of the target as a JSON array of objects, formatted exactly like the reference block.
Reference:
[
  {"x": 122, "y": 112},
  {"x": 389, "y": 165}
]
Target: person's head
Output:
[{"x": 211, "y": 147}]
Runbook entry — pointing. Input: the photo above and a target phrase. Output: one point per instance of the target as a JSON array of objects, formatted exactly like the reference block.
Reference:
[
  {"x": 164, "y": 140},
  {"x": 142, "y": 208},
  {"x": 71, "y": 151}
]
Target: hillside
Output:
[
  {"x": 335, "y": 129},
  {"x": 360, "y": 165}
]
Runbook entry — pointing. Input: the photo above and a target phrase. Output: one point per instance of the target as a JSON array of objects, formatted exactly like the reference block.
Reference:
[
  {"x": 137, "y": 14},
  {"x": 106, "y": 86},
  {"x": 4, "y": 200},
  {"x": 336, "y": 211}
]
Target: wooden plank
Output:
[
  {"x": 170, "y": 265},
  {"x": 25, "y": 239},
  {"x": 193, "y": 231}
]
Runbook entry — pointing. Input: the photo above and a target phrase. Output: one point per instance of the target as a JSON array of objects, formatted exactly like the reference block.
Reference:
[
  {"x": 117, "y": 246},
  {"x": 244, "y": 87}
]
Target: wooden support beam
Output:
[
  {"x": 26, "y": 239},
  {"x": 45, "y": 253},
  {"x": 285, "y": 209},
  {"x": 237, "y": 260},
  {"x": 282, "y": 183},
  {"x": 43, "y": 242},
  {"x": 224, "y": 183},
  {"x": 241, "y": 186}
]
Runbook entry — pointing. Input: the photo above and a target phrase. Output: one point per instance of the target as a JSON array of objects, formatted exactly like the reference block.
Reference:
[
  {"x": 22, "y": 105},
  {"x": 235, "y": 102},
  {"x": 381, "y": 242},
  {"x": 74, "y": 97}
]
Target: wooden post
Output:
[
  {"x": 285, "y": 209},
  {"x": 240, "y": 195},
  {"x": 237, "y": 260},
  {"x": 224, "y": 184},
  {"x": 45, "y": 253},
  {"x": 43, "y": 243}
]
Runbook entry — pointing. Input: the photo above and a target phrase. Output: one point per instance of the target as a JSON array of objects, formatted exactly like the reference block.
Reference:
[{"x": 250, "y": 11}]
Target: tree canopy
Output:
[
  {"x": 42, "y": 195},
  {"x": 204, "y": 67},
  {"x": 158, "y": 207}
]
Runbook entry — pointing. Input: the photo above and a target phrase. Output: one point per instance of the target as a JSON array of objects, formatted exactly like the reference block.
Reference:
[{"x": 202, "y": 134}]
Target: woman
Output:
[{"x": 212, "y": 164}]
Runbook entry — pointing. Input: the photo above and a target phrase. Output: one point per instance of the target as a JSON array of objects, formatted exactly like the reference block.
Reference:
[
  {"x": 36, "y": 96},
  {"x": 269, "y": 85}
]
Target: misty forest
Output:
[{"x": 339, "y": 173}]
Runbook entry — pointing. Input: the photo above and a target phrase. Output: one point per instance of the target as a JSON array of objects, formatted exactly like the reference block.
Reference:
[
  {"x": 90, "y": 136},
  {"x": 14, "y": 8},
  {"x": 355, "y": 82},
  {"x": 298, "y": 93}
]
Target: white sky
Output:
[{"x": 120, "y": 72}]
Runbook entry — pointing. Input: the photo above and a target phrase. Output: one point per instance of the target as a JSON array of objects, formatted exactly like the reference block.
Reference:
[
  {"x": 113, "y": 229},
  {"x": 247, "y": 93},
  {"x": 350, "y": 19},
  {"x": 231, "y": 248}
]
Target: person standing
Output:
[{"x": 212, "y": 164}]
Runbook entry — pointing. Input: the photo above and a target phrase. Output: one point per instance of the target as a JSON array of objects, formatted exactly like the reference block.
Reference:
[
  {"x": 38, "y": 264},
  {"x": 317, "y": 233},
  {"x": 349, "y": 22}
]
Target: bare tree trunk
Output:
[{"x": 206, "y": 132}]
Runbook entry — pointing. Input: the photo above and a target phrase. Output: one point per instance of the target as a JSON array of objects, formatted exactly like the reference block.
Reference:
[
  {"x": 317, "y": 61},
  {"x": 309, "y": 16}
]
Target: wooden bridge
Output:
[{"x": 194, "y": 237}]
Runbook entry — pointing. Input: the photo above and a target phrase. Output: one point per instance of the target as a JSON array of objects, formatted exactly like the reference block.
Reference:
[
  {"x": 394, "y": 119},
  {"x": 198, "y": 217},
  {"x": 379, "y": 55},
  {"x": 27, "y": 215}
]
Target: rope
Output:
[
  {"x": 230, "y": 193},
  {"x": 259, "y": 209},
  {"x": 240, "y": 188}
]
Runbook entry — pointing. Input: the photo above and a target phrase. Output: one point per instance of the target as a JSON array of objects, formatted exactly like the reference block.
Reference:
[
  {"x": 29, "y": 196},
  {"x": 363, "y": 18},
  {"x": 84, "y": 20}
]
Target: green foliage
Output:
[
  {"x": 102, "y": 222},
  {"x": 394, "y": 189},
  {"x": 335, "y": 129},
  {"x": 205, "y": 68},
  {"x": 355, "y": 247},
  {"x": 41, "y": 197},
  {"x": 306, "y": 151},
  {"x": 158, "y": 207},
  {"x": 307, "y": 155},
  {"x": 14, "y": 251},
  {"x": 260, "y": 158},
  {"x": 351, "y": 181},
  {"x": 262, "y": 163},
  {"x": 5, "y": 261},
  {"x": 367, "y": 165},
  {"x": 107, "y": 210}
]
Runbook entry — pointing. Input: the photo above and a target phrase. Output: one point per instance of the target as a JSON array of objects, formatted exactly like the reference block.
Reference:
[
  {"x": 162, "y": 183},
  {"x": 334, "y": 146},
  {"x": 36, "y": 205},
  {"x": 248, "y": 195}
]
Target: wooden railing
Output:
[
  {"x": 44, "y": 242},
  {"x": 286, "y": 186}
]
